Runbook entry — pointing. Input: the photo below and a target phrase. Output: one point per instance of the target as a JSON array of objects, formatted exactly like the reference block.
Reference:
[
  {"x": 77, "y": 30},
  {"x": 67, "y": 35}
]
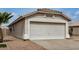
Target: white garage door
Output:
[{"x": 47, "y": 30}]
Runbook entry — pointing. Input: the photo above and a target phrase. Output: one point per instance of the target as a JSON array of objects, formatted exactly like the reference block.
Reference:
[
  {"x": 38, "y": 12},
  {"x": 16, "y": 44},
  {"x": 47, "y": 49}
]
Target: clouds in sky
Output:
[
  {"x": 14, "y": 14},
  {"x": 77, "y": 13},
  {"x": 73, "y": 13}
]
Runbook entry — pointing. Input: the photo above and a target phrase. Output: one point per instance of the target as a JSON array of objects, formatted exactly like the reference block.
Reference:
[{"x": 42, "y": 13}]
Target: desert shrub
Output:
[{"x": 3, "y": 45}]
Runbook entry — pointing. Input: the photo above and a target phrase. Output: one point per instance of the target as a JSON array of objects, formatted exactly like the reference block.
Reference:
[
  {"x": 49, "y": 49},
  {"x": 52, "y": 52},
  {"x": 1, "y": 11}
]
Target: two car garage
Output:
[{"x": 47, "y": 30}]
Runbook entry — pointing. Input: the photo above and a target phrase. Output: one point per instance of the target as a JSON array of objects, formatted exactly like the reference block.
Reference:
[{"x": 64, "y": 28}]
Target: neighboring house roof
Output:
[
  {"x": 74, "y": 24},
  {"x": 44, "y": 11}
]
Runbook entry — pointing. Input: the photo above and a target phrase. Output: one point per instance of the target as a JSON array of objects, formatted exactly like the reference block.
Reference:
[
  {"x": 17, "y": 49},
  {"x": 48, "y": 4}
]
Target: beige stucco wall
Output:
[
  {"x": 19, "y": 29},
  {"x": 56, "y": 19},
  {"x": 75, "y": 31}
]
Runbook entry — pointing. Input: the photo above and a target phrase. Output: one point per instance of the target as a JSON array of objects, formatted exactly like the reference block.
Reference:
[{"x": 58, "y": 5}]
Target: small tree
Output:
[
  {"x": 4, "y": 17},
  {"x": 70, "y": 31}
]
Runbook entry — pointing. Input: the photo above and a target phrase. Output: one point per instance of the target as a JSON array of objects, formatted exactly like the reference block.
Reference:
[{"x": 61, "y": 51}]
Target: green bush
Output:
[{"x": 3, "y": 45}]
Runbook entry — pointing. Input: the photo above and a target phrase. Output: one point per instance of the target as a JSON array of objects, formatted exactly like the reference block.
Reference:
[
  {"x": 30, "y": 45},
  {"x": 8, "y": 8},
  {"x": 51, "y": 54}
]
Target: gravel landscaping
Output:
[{"x": 18, "y": 44}]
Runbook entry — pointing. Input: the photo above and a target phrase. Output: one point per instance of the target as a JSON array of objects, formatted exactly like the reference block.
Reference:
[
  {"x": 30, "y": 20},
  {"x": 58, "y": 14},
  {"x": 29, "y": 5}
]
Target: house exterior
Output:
[
  {"x": 41, "y": 24},
  {"x": 75, "y": 28}
]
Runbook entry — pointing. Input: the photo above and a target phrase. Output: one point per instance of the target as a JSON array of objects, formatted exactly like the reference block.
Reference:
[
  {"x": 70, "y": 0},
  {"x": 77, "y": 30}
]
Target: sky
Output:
[{"x": 72, "y": 13}]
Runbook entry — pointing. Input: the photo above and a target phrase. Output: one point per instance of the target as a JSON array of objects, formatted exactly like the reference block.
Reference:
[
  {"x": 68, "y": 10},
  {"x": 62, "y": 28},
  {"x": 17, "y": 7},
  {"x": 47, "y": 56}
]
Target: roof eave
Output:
[{"x": 35, "y": 13}]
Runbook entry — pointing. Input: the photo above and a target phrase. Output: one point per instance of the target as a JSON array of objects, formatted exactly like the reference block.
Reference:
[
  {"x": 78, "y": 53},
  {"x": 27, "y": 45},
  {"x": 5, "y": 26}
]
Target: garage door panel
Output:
[{"x": 47, "y": 30}]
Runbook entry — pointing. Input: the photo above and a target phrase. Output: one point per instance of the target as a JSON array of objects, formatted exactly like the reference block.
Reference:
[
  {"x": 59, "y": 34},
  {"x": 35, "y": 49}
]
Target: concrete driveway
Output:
[{"x": 66, "y": 44}]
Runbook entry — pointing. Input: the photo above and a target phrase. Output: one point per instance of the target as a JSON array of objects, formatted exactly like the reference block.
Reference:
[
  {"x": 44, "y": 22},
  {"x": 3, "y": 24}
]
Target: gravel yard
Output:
[{"x": 18, "y": 44}]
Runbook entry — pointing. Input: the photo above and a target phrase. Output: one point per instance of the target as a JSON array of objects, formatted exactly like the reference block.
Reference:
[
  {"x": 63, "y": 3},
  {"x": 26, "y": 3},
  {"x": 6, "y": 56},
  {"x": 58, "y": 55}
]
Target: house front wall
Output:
[{"x": 54, "y": 19}]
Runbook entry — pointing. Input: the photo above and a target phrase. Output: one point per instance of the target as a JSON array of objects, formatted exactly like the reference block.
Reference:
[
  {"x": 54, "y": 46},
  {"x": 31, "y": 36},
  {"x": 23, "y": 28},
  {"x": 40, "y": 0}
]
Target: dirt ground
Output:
[{"x": 18, "y": 44}]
